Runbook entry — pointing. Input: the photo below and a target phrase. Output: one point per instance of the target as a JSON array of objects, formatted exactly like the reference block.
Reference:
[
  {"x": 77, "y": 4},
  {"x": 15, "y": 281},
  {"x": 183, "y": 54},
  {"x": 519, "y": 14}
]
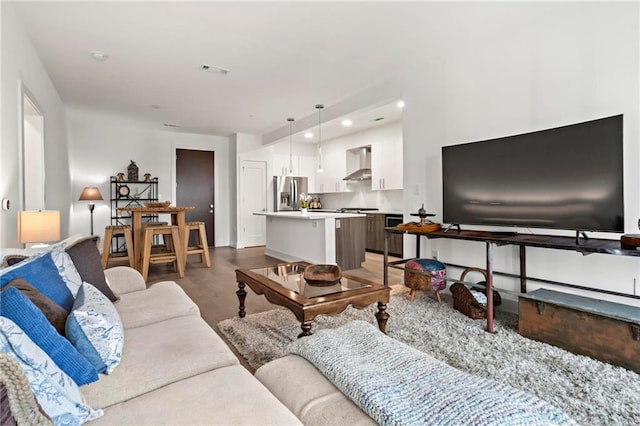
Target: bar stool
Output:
[
  {"x": 175, "y": 254},
  {"x": 111, "y": 231},
  {"x": 202, "y": 246}
]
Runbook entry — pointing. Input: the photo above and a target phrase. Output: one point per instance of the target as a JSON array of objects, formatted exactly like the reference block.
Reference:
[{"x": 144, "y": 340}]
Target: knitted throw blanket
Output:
[{"x": 396, "y": 384}]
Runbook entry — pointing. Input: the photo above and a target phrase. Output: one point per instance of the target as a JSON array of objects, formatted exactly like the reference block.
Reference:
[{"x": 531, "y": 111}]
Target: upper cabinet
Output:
[
  {"x": 386, "y": 161},
  {"x": 334, "y": 168}
]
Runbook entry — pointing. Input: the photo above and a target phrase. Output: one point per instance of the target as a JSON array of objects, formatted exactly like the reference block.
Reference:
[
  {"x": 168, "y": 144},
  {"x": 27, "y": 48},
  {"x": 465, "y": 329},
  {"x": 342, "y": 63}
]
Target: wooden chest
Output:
[{"x": 600, "y": 329}]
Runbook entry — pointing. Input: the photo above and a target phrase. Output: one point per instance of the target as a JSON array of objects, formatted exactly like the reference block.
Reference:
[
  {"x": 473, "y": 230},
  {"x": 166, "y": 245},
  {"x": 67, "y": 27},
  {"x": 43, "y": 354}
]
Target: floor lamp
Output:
[{"x": 91, "y": 194}]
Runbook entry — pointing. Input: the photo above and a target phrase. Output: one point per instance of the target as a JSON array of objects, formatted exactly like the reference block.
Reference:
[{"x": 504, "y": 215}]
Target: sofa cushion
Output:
[
  {"x": 41, "y": 272},
  {"x": 86, "y": 258},
  {"x": 19, "y": 309},
  {"x": 12, "y": 259},
  {"x": 95, "y": 329},
  {"x": 158, "y": 354},
  {"x": 309, "y": 394},
  {"x": 160, "y": 302},
  {"x": 56, "y": 392},
  {"x": 226, "y": 396},
  {"x": 55, "y": 314},
  {"x": 66, "y": 268}
]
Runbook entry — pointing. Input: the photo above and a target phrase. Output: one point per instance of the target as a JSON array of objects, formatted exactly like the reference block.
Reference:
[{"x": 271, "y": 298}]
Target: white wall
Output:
[
  {"x": 103, "y": 145},
  {"x": 578, "y": 64},
  {"x": 20, "y": 64}
]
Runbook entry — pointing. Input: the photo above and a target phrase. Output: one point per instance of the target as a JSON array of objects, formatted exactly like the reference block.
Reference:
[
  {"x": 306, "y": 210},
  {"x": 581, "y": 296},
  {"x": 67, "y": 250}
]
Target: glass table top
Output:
[{"x": 290, "y": 276}]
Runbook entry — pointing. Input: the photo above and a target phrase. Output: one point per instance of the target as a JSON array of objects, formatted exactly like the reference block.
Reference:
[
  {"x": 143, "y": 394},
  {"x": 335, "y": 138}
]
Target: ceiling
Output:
[{"x": 283, "y": 57}]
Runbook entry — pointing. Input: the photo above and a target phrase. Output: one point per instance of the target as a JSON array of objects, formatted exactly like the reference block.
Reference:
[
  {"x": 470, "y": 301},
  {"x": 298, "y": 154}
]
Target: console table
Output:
[{"x": 492, "y": 239}]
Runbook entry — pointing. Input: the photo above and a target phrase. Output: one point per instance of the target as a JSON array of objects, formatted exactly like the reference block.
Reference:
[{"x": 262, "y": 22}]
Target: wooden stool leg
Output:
[
  {"x": 175, "y": 236},
  {"x": 412, "y": 294},
  {"x": 438, "y": 297},
  {"x": 146, "y": 255},
  {"x": 204, "y": 244},
  {"x": 128, "y": 240},
  {"x": 106, "y": 247}
]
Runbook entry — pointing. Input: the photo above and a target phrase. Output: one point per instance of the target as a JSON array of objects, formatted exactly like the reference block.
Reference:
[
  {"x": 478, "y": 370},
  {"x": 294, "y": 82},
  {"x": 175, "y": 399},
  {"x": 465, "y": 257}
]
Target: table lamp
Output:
[
  {"x": 91, "y": 194},
  {"x": 38, "y": 226}
]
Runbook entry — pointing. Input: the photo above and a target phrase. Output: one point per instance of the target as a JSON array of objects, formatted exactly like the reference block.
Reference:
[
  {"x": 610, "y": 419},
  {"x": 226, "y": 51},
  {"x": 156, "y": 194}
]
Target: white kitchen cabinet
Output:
[
  {"x": 386, "y": 164},
  {"x": 281, "y": 165},
  {"x": 334, "y": 168}
]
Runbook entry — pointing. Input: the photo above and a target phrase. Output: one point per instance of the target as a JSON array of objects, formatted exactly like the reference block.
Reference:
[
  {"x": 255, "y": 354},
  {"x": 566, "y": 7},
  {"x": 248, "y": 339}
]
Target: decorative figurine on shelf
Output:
[
  {"x": 147, "y": 177},
  {"x": 120, "y": 176},
  {"x": 132, "y": 172},
  {"x": 422, "y": 213},
  {"x": 425, "y": 225}
]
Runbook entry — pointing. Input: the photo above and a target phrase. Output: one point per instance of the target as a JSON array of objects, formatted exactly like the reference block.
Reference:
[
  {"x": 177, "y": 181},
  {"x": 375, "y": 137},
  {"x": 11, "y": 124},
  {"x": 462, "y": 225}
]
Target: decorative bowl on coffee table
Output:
[{"x": 322, "y": 275}]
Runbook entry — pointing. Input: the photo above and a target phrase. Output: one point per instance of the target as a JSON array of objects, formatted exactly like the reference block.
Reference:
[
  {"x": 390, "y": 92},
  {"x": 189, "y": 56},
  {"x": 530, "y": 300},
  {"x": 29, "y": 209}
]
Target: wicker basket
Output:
[{"x": 464, "y": 301}]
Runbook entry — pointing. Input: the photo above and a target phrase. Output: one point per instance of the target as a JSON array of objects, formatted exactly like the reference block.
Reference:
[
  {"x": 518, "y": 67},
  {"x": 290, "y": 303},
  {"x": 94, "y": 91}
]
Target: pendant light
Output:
[
  {"x": 319, "y": 108},
  {"x": 290, "y": 120}
]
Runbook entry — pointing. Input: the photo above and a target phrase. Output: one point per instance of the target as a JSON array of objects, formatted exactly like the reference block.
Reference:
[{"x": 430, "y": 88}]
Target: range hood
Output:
[{"x": 363, "y": 170}]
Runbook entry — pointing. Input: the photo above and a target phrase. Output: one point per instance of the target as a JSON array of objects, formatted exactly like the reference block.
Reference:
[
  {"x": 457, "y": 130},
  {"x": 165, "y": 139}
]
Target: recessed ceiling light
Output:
[
  {"x": 171, "y": 125},
  {"x": 308, "y": 135},
  {"x": 400, "y": 104},
  {"x": 347, "y": 123},
  {"x": 213, "y": 68},
  {"x": 99, "y": 55}
]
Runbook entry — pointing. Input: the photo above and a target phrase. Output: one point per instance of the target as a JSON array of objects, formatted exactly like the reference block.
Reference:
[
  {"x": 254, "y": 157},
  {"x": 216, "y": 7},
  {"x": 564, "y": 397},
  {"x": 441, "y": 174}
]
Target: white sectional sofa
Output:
[{"x": 174, "y": 368}]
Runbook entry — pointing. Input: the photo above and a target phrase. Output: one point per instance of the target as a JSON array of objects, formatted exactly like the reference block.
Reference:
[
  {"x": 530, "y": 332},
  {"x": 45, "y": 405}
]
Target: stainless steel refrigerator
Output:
[{"x": 286, "y": 192}]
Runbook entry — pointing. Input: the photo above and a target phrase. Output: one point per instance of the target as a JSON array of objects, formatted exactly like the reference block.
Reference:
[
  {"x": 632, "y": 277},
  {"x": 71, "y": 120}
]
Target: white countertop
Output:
[
  {"x": 310, "y": 215},
  {"x": 385, "y": 212}
]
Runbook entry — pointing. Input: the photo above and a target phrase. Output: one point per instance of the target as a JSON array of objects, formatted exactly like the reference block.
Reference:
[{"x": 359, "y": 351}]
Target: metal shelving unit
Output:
[{"x": 125, "y": 193}]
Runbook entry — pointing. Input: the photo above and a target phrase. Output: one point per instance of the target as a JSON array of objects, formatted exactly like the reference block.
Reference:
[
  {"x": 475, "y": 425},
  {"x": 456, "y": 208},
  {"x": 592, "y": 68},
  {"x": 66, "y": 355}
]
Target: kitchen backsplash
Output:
[{"x": 363, "y": 196}]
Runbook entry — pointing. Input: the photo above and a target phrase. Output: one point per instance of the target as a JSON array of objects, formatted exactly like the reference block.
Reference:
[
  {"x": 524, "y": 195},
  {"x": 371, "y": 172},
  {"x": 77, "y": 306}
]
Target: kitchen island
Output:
[{"x": 317, "y": 237}]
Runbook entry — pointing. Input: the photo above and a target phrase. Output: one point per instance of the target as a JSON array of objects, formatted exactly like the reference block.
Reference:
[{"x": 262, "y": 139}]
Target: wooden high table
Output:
[{"x": 178, "y": 217}]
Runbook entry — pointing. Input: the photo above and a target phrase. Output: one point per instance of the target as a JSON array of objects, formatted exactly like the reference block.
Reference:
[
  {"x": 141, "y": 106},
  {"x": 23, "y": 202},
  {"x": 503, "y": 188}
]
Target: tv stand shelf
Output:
[
  {"x": 491, "y": 239},
  {"x": 584, "y": 246}
]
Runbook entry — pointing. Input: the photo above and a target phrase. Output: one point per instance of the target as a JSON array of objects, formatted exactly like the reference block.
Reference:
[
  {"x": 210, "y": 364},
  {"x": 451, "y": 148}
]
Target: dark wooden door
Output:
[{"x": 194, "y": 179}]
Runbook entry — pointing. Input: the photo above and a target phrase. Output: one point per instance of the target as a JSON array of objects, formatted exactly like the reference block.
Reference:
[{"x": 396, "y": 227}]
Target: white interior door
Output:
[
  {"x": 254, "y": 199},
  {"x": 33, "y": 155}
]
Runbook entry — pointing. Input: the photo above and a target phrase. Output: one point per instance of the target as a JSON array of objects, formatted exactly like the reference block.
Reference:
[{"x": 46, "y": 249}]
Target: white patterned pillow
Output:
[
  {"x": 57, "y": 393},
  {"x": 95, "y": 329},
  {"x": 67, "y": 269}
]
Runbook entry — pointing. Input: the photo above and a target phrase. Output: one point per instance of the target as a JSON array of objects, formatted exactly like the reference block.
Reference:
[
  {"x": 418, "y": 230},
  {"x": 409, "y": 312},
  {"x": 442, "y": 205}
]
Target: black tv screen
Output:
[{"x": 567, "y": 177}]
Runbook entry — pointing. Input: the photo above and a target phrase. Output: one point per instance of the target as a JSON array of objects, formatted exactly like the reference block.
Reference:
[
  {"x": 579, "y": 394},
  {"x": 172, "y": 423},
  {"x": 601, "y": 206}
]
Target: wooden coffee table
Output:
[{"x": 283, "y": 285}]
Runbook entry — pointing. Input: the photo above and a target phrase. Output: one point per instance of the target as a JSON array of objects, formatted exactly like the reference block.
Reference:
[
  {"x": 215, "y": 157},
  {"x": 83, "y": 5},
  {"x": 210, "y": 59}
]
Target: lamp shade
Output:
[
  {"x": 38, "y": 226},
  {"x": 90, "y": 193}
]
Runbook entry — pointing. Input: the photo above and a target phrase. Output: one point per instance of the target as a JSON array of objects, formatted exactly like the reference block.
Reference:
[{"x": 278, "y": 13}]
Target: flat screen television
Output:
[{"x": 568, "y": 177}]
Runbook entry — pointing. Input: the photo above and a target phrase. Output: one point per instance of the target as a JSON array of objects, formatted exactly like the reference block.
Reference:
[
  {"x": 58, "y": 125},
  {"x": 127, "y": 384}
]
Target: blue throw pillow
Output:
[
  {"x": 55, "y": 391},
  {"x": 95, "y": 329},
  {"x": 42, "y": 273},
  {"x": 19, "y": 309}
]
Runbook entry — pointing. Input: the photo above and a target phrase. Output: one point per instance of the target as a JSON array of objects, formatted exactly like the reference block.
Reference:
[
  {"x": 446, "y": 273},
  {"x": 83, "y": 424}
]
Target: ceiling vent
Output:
[{"x": 213, "y": 68}]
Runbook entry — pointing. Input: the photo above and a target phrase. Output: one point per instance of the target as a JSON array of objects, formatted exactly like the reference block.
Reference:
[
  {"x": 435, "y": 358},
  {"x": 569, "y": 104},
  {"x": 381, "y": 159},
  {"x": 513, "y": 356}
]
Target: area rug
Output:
[{"x": 590, "y": 391}]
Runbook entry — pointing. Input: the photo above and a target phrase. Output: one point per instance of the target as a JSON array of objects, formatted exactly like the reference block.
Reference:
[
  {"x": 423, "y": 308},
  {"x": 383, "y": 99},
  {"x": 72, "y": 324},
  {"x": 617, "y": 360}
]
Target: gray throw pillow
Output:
[
  {"x": 54, "y": 313},
  {"x": 86, "y": 257}
]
